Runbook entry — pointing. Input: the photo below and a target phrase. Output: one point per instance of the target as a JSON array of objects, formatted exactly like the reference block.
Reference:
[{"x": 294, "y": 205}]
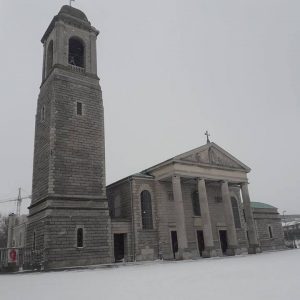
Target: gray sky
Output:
[{"x": 169, "y": 69}]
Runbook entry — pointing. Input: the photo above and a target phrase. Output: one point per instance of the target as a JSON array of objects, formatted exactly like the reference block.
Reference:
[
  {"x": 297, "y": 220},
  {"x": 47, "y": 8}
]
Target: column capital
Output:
[
  {"x": 224, "y": 181},
  {"x": 200, "y": 179}
]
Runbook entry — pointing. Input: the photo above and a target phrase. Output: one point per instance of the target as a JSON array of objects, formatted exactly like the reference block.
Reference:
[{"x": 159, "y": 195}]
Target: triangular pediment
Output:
[{"x": 212, "y": 154}]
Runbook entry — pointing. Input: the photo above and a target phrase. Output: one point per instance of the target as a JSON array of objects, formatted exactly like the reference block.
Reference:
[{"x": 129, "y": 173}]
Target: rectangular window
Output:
[
  {"x": 270, "y": 232},
  {"x": 79, "y": 108}
]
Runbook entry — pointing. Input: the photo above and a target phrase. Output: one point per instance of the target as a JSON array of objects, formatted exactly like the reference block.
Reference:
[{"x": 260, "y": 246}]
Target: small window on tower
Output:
[
  {"x": 79, "y": 108},
  {"x": 49, "y": 57},
  {"x": 79, "y": 237},
  {"x": 43, "y": 113}
]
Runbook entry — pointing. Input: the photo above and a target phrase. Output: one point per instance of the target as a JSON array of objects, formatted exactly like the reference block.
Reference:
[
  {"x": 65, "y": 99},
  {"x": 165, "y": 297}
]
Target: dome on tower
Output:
[
  {"x": 73, "y": 12},
  {"x": 72, "y": 16}
]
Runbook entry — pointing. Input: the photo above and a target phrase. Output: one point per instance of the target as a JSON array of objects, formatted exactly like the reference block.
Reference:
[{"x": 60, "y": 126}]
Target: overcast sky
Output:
[{"x": 169, "y": 69}]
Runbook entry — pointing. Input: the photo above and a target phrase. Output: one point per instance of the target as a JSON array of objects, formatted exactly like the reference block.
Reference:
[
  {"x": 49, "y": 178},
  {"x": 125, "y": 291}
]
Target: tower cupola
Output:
[{"x": 70, "y": 43}]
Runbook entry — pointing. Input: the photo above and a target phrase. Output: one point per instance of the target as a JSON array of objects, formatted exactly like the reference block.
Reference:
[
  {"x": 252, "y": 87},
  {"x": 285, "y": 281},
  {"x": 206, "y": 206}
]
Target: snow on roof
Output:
[
  {"x": 261, "y": 205},
  {"x": 292, "y": 223}
]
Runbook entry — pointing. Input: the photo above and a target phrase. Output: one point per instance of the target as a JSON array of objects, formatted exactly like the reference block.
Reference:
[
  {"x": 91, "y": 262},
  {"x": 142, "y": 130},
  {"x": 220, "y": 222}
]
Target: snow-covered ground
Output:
[{"x": 273, "y": 275}]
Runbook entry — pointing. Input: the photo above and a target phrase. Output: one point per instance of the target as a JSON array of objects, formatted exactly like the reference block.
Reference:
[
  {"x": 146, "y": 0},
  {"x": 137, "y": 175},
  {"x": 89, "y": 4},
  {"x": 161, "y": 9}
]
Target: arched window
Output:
[
  {"x": 146, "y": 208},
  {"x": 76, "y": 52},
  {"x": 236, "y": 213},
  {"x": 49, "y": 57},
  {"x": 79, "y": 237},
  {"x": 196, "y": 204}
]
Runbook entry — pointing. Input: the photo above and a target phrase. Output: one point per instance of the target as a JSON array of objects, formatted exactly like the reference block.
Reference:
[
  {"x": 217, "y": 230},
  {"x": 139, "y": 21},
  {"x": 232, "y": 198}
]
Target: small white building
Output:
[{"x": 16, "y": 231}]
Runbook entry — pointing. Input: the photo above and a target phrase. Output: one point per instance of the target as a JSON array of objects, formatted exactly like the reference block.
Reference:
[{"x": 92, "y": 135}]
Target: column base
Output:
[
  {"x": 253, "y": 249},
  {"x": 183, "y": 254},
  {"x": 231, "y": 251},
  {"x": 209, "y": 252}
]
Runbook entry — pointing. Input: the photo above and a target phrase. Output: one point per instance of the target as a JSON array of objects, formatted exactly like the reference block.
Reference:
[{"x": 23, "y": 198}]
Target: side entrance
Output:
[
  {"x": 223, "y": 240},
  {"x": 200, "y": 239},
  {"x": 174, "y": 243},
  {"x": 119, "y": 246}
]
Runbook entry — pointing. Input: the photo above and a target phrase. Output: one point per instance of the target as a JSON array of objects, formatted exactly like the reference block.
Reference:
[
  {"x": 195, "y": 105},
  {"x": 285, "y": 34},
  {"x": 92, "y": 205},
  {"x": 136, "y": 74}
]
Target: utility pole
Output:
[{"x": 19, "y": 201}]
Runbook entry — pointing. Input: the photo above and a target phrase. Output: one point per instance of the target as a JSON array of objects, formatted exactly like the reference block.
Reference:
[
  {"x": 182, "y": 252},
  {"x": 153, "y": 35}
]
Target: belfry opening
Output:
[{"x": 76, "y": 52}]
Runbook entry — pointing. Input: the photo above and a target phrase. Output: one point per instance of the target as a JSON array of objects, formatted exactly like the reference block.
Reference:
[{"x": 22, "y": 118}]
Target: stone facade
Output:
[
  {"x": 68, "y": 191},
  {"x": 226, "y": 224},
  {"x": 268, "y": 226}
]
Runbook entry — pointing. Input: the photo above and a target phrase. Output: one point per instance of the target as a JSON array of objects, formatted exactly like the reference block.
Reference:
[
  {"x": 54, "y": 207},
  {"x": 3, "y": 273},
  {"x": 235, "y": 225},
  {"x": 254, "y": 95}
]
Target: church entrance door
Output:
[
  {"x": 223, "y": 240},
  {"x": 119, "y": 246},
  {"x": 174, "y": 243},
  {"x": 200, "y": 239}
]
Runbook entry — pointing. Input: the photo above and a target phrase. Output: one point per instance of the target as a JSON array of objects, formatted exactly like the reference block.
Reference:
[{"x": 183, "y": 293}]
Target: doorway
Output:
[
  {"x": 200, "y": 239},
  {"x": 119, "y": 246},
  {"x": 174, "y": 243},
  {"x": 223, "y": 240}
]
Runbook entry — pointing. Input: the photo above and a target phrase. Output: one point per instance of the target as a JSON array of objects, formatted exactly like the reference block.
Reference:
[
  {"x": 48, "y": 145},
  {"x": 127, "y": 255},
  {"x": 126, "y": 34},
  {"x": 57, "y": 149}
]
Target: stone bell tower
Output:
[{"x": 68, "y": 216}]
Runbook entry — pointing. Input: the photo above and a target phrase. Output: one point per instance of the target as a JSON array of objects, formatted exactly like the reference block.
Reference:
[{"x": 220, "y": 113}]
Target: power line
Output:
[{"x": 15, "y": 199}]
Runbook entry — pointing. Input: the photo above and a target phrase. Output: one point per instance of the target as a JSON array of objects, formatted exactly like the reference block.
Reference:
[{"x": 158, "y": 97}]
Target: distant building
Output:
[
  {"x": 291, "y": 227},
  {"x": 268, "y": 226},
  {"x": 17, "y": 228}
]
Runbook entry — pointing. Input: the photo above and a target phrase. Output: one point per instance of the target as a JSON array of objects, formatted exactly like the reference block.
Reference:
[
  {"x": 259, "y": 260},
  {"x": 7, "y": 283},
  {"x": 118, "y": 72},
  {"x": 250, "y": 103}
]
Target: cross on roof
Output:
[
  {"x": 207, "y": 137},
  {"x": 71, "y": 2}
]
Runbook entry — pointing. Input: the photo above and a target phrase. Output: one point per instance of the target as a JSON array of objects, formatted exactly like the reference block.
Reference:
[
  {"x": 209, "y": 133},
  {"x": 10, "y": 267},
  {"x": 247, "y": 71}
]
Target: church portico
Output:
[
  {"x": 198, "y": 205},
  {"x": 183, "y": 190}
]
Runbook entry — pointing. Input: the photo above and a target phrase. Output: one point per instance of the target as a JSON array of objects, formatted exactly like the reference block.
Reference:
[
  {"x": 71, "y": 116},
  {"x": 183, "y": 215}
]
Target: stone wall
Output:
[
  {"x": 78, "y": 147},
  {"x": 265, "y": 217},
  {"x": 156, "y": 243},
  {"x": 122, "y": 192},
  {"x": 40, "y": 181},
  {"x": 146, "y": 240}
]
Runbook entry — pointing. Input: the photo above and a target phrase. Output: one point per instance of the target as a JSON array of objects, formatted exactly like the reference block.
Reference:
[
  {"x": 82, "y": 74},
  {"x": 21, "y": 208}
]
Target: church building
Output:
[{"x": 194, "y": 205}]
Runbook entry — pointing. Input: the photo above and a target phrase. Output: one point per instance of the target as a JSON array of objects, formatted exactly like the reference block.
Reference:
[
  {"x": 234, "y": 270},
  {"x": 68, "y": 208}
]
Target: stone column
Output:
[
  {"x": 93, "y": 54},
  {"x": 206, "y": 222},
  {"x": 180, "y": 217},
  {"x": 253, "y": 241},
  {"x": 231, "y": 231},
  {"x": 59, "y": 56}
]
